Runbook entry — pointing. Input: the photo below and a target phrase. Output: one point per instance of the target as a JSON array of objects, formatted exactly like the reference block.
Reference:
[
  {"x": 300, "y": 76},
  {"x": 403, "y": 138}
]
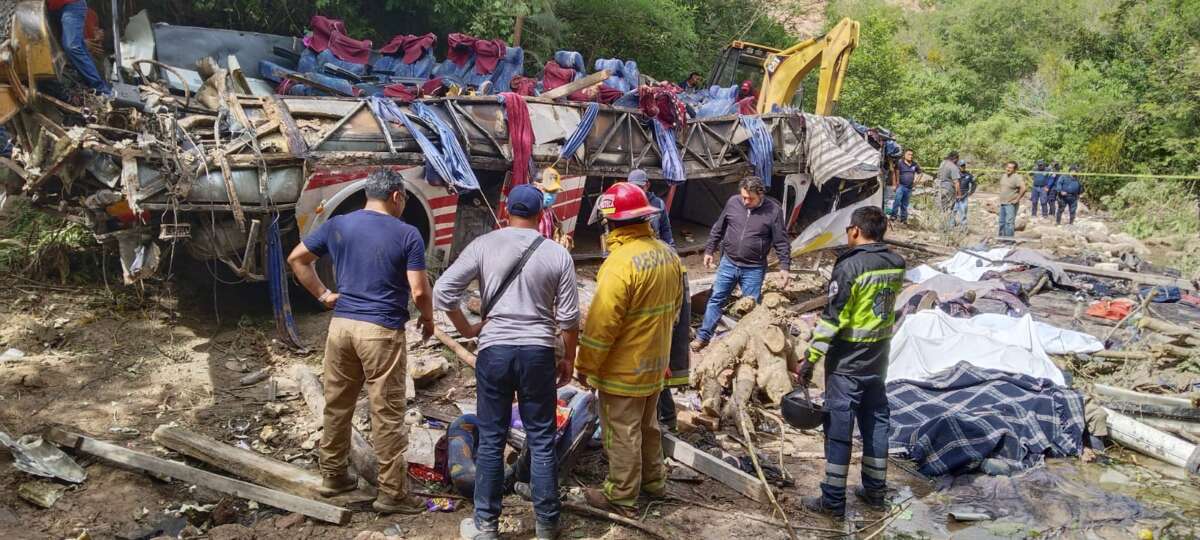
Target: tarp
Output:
[
  {"x": 836, "y": 150},
  {"x": 830, "y": 229},
  {"x": 761, "y": 147},
  {"x": 446, "y": 157},
  {"x": 930, "y": 341},
  {"x": 952, "y": 422}
]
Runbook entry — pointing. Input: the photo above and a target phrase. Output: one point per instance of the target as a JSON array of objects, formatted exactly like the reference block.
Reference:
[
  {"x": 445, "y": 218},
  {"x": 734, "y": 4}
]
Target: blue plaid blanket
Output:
[{"x": 965, "y": 414}]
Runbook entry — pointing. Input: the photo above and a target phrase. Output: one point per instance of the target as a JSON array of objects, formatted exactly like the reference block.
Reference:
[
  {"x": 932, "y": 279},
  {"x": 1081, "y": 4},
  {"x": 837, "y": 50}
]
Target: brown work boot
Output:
[
  {"x": 596, "y": 499},
  {"x": 409, "y": 504},
  {"x": 333, "y": 485},
  {"x": 698, "y": 345}
]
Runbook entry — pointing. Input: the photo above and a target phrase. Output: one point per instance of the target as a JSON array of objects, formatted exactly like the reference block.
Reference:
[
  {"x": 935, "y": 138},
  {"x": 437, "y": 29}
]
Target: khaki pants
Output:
[
  {"x": 358, "y": 352},
  {"x": 633, "y": 443}
]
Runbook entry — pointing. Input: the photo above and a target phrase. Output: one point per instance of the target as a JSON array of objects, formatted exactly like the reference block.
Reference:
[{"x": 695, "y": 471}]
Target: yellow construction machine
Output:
[
  {"x": 782, "y": 71},
  {"x": 29, "y": 54}
]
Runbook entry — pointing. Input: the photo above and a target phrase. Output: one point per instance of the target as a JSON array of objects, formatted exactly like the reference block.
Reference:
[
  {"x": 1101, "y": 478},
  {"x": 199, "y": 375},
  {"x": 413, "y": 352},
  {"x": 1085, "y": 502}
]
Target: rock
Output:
[
  {"x": 225, "y": 512},
  {"x": 424, "y": 370},
  {"x": 231, "y": 531},
  {"x": 274, "y": 409},
  {"x": 268, "y": 434},
  {"x": 12, "y": 354},
  {"x": 1114, "y": 267},
  {"x": 289, "y": 521},
  {"x": 1022, "y": 222},
  {"x": 312, "y": 441},
  {"x": 742, "y": 306}
]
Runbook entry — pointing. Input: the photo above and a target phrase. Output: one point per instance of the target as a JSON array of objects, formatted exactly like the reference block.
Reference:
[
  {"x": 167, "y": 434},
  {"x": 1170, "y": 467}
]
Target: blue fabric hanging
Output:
[
  {"x": 581, "y": 131},
  {"x": 761, "y": 147},
  {"x": 672, "y": 164},
  {"x": 446, "y": 157},
  {"x": 285, "y": 323}
]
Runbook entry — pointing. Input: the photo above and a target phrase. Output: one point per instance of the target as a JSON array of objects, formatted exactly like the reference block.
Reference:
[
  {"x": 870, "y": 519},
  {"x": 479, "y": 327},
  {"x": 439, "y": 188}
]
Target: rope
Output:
[{"x": 1112, "y": 175}]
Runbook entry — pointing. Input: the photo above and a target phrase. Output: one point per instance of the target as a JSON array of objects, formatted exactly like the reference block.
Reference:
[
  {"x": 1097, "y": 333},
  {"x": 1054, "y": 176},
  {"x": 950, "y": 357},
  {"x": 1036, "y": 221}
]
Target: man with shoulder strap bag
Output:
[{"x": 528, "y": 292}]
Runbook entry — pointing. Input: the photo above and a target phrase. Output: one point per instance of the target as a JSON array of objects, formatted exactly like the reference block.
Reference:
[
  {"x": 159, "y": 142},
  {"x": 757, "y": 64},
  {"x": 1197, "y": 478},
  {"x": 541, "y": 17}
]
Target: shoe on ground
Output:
[
  {"x": 547, "y": 531},
  {"x": 698, "y": 345},
  {"x": 468, "y": 531},
  {"x": 408, "y": 504},
  {"x": 816, "y": 505},
  {"x": 876, "y": 501},
  {"x": 334, "y": 485},
  {"x": 596, "y": 499}
]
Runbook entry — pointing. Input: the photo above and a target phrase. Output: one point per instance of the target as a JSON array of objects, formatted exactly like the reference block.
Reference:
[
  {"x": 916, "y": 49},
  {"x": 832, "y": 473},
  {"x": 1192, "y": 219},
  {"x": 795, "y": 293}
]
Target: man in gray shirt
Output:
[
  {"x": 516, "y": 353},
  {"x": 949, "y": 190}
]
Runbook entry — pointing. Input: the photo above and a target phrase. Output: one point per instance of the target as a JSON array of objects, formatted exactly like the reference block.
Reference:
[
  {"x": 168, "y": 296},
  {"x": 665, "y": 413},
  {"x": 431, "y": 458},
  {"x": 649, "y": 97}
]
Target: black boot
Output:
[
  {"x": 877, "y": 501},
  {"x": 816, "y": 505}
]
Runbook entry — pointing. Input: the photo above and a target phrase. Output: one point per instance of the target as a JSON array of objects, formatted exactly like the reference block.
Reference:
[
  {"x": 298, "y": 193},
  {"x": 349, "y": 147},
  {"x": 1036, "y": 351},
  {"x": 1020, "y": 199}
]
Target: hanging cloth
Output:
[
  {"x": 761, "y": 147},
  {"x": 446, "y": 158},
  {"x": 672, "y": 164},
  {"x": 581, "y": 131},
  {"x": 520, "y": 136},
  {"x": 285, "y": 323}
]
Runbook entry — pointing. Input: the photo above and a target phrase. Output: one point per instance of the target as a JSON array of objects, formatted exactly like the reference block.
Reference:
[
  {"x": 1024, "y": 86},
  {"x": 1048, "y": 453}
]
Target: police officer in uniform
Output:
[{"x": 854, "y": 335}]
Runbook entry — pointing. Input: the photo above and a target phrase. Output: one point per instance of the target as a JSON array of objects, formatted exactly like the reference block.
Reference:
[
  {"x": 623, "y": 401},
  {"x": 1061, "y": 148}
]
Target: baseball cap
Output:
[
  {"x": 638, "y": 178},
  {"x": 524, "y": 201}
]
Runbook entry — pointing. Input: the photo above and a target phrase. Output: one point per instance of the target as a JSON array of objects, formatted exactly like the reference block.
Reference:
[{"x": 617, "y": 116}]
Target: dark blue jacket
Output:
[
  {"x": 661, "y": 222},
  {"x": 1069, "y": 185},
  {"x": 1041, "y": 178}
]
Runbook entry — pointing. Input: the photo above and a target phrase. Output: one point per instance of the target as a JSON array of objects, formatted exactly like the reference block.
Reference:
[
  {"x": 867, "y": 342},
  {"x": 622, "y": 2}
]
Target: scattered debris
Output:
[
  {"x": 362, "y": 454},
  {"x": 33, "y": 455},
  {"x": 40, "y": 492}
]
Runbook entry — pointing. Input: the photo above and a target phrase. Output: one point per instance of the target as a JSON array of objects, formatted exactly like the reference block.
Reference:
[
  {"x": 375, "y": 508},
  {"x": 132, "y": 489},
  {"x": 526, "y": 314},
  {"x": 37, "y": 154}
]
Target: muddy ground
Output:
[{"x": 116, "y": 362}]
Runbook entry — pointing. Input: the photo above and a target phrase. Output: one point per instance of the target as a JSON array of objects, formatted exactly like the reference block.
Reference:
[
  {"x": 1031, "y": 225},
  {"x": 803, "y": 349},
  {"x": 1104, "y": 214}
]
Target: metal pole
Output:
[{"x": 116, "y": 34}]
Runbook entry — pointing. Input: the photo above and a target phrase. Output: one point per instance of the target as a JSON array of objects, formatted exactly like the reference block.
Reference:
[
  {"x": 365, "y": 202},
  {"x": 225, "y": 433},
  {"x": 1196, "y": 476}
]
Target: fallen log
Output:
[
  {"x": 461, "y": 352},
  {"x": 248, "y": 464},
  {"x": 1170, "y": 329},
  {"x": 1172, "y": 425},
  {"x": 1153, "y": 442},
  {"x": 1142, "y": 397},
  {"x": 1138, "y": 277},
  {"x": 714, "y": 467},
  {"x": 150, "y": 464},
  {"x": 1141, "y": 404},
  {"x": 362, "y": 454}
]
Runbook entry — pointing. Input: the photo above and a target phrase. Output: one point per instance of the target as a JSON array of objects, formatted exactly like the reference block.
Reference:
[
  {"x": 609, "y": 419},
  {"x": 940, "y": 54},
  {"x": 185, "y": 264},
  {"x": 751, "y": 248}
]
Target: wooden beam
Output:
[
  {"x": 714, "y": 467},
  {"x": 577, "y": 85},
  {"x": 461, "y": 352},
  {"x": 1138, "y": 277},
  {"x": 1153, "y": 442},
  {"x": 1123, "y": 394},
  {"x": 362, "y": 454},
  {"x": 248, "y": 464},
  {"x": 150, "y": 464}
]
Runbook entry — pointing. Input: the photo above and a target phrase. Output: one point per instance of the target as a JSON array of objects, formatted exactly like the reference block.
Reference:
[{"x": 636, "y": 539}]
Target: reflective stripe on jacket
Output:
[
  {"x": 626, "y": 340},
  {"x": 856, "y": 327}
]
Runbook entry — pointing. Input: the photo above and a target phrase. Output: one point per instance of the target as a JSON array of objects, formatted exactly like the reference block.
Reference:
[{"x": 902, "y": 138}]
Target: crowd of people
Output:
[
  {"x": 1051, "y": 193},
  {"x": 631, "y": 350}
]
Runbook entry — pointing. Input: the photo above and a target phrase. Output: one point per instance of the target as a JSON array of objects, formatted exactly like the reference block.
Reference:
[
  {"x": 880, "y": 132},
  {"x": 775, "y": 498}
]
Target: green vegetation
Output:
[{"x": 34, "y": 243}]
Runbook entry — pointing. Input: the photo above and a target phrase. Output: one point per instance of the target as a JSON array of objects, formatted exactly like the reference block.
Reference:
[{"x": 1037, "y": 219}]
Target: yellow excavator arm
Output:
[{"x": 784, "y": 70}]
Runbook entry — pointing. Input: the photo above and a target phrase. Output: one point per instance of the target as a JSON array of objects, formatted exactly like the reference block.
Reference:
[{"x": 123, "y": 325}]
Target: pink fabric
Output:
[
  {"x": 399, "y": 92},
  {"x": 431, "y": 86},
  {"x": 748, "y": 105},
  {"x": 351, "y": 50},
  {"x": 520, "y": 136},
  {"x": 554, "y": 75},
  {"x": 522, "y": 85},
  {"x": 322, "y": 30},
  {"x": 661, "y": 101},
  {"x": 546, "y": 225},
  {"x": 460, "y": 47},
  {"x": 413, "y": 46},
  {"x": 487, "y": 54}
]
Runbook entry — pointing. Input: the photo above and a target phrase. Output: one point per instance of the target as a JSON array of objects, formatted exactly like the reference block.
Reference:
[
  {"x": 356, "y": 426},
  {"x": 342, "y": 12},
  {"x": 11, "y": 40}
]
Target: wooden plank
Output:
[
  {"x": 1153, "y": 442},
  {"x": 250, "y": 465},
  {"x": 146, "y": 463},
  {"x": 362, "y": 454},
  {"x": 276, "y": 111},
  {"x": 577, "y": 85},
  {"x": 1123, "y": 394},
  {"x": 714, "y": 467}
]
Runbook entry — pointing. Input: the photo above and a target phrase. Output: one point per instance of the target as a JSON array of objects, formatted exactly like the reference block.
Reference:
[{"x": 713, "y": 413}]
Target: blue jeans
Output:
[
  {"x": 1008, "y": 220},
  {"x": 849, "y": 398},
  {"x": 528, "y": 372},
  {"x": 73, "y": 16},
  {"x": 959, "y": 217},
  {"x": 1037, "y": 199},
  {"x": 750, "y": 280},
  {"x": 900, "y": 203}
]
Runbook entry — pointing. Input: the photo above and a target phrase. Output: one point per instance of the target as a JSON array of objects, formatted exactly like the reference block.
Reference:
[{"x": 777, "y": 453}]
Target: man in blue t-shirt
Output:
[
  {"x": 380, "y": 261},
  {"x": 903, "y": 177}
]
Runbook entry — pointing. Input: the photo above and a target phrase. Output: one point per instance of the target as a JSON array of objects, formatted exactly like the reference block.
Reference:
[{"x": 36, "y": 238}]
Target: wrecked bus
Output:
[{"x": 198, "y": 149}]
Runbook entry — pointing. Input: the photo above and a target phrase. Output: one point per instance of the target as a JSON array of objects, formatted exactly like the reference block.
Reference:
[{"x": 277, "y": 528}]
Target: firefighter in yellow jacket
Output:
[{"x": 626, "y": 345}]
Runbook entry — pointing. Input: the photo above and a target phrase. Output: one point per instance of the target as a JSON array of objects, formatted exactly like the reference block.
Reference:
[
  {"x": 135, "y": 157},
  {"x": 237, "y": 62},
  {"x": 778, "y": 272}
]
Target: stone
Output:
[
  {"x": 274, "y": 410},
  {"x": 40, "y": 493},
  {"x": 268, "y": 434},
  {"x": 231, "y": 531},
  {"x": 424, "y": 370},
  {"x": 289, "y": 521}
]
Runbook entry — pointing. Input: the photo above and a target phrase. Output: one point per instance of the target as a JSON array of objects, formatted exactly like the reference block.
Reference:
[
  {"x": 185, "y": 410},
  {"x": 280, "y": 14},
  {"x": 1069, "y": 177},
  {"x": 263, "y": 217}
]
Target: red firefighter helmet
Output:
[{"x": 625, "y": 202}]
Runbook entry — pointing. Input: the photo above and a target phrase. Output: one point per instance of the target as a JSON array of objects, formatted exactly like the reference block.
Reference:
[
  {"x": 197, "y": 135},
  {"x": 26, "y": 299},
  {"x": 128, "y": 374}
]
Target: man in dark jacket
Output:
[
  {"x": 660, "y": 223},
  {"x": 1038, "y": 195},
  {"x": 749, "y": 227},
  {"x": 854, "y": 335},
  {"x": 1069, "y": 189}
]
